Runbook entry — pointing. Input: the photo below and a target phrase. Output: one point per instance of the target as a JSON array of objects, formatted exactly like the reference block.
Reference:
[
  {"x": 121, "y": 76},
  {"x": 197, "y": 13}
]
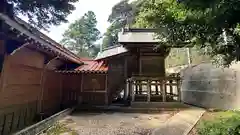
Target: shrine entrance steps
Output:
[{"x": 136, "y": 107}]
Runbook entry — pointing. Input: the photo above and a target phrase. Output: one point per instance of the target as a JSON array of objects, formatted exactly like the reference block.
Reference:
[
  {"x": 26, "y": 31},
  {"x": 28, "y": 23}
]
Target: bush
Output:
[{"x": 220, "y": 126}]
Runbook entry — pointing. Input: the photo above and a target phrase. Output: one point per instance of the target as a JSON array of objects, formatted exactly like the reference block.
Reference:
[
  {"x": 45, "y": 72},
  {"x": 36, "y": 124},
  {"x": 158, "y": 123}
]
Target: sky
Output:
[{"x": 102, "y": 9}]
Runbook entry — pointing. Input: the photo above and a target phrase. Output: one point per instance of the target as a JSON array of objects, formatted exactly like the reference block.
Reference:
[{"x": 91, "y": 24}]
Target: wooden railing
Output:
[
  {"x": 70, "y": 98},
  {"x": 154, "y": 89}
]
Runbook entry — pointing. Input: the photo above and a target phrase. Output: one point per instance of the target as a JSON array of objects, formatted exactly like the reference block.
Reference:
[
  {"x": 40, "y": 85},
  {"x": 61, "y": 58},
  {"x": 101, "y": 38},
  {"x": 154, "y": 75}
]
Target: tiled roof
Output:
[
  {"x": 115, "y": 50},
  {"x": 92, "y": 66},
  {"x": 30, "y": 34}
]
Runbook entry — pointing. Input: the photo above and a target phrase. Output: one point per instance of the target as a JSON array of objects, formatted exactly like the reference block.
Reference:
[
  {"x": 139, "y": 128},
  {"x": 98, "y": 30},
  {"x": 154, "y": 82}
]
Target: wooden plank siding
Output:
[
  {"x": 116, "y": 77},
  {"x": 20, "y": 89},
  {"x": 94, "y": 89},
  {"x": 28, "y": 87},
  {"x": 71, "y": 87},
  {"x": 52, "y": 92},
  {"x": 20, "y": 79},
  {"x": 84, "y": 88}
]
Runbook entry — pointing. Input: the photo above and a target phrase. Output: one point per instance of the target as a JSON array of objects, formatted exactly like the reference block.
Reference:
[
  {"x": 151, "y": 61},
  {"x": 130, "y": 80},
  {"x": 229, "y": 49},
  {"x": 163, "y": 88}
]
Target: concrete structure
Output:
[
  {"x": 181, "y": 123},
  {"x": 207, "y": 86}
]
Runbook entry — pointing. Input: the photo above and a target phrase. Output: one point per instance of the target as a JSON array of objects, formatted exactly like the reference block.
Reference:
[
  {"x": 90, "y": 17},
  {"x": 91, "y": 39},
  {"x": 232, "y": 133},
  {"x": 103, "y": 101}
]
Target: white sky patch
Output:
[{"x": 102, "y": 9}]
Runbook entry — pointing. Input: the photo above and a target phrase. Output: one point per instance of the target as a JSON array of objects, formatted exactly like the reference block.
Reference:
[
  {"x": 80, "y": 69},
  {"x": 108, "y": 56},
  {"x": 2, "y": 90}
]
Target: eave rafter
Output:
[{"x": 39, "y": 42}]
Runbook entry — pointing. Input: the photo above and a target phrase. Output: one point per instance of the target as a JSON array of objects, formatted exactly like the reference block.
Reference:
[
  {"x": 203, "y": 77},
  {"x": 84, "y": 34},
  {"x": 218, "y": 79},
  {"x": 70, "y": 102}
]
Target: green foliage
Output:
[
  {"x": 123, "y": 13},
  {"x": 111, "y": 35},
  {"x": 223, "y": 125},
  {"x": 212, "y": 24},
  {"x": 179, "y": 57},
  {"x": 41, "y": 13},
  {"x": 82, "y": 35},
  {"x": 58, "y": 129}
]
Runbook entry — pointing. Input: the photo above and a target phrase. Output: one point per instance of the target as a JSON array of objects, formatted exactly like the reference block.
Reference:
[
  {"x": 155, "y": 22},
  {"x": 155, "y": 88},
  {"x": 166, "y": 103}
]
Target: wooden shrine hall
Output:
[{"x": 136, "y": 68}]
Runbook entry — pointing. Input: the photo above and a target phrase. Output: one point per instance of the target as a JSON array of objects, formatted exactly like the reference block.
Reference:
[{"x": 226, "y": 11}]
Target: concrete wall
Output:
[{"x": 207, "y": 86}]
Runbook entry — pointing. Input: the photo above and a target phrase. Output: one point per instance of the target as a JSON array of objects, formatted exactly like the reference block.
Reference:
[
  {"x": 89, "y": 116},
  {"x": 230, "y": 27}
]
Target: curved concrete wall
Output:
[{"x": 207, "y": 86}]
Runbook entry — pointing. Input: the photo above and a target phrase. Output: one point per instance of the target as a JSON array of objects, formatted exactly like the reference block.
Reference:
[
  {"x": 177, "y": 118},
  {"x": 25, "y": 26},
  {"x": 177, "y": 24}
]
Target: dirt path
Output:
[{"x": 115, "y": 123}]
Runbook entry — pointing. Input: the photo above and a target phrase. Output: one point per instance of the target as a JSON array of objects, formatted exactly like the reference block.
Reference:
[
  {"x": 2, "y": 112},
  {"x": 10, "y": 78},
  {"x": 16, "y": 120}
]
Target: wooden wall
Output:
[
  {"x": 94, "y": 89},
  {"x": 116, "y": 77},
  {"x": 52, "y": 92},
  {"x": 71, "y": 86},
  {"x": 84, "y": 88},
  {"x": 152, "y": 65},
  {"x": 20, "y": 90},
  {"x": 20, "y": 78},
  {"x": 24, "y": 82}
]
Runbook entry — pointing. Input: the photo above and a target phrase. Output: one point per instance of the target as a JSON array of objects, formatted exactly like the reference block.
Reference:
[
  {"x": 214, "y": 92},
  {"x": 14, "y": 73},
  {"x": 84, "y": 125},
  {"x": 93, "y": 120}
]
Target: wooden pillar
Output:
[
  {"x": 179, "y": 89},
  {"x": 148, "y": 90},
  {"x": 106, "y": 90},
  {"x": 140, "y": 63},
  {"x": 42, "y": 84},
  {"x": 126, "y": 76},
  {"x": 80, "y": 96},
  {"x": 132, "y": 90},
  {"x": 156, "y": 87},
  {"x": 140, "y": 87},
  {"x": 4, "y": 64},
  {"x": 171, "y": 88},
  {"x": 136, "y": 87},
  {"x": 126, "y": 90},
  {"x": 163, "y": 85},
  {"x": 61, "y": 89}
]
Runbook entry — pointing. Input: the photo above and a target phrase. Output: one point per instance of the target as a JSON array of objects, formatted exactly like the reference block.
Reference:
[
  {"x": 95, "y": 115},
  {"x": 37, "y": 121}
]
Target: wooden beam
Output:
[
  {"x": 106, "y": 89},
  {"x": 81, "y": 82},
  {"x": 179, "y": 90},
  {"x": 148, "y": 90},
  {"x": 125, "y": 77},
  {"x": 126, "y": 92},
  {"x": 164, "y": 90},
  {"x": 61, "y": 88},
  {"x": 4, "y": 69},
  {"x": 132, "y": 90},
  {"x": 19, "y": 48},
  {"x": 140, "y": 62},
  {"x": 42, "y": 84}
]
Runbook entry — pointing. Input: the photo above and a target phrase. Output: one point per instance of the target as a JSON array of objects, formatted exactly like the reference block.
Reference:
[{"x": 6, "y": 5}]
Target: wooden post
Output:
[
  {"x": 4, "y": 69},
  {"x": 80, "y": 96},
  {"x": 179, "y": 90},
  {"x": 61, "y": 89},
  {"x": 126, "y": 90},
  {"x": 136, "y": 87},
  {"x": 106, "y": 90},
  {"x": 125, "y": 77},
  {"x": 132, "y": 88},
  {"x": 140, "y": 87},
  {"x": 42, "y": 84},
  {"x": 148, "y": 90},
  {"x": 156, "y": 88},
  {"x": 171, "y": 88},
  {"x": 140, "y": 62},
  {"x": 164, "y": 90}
]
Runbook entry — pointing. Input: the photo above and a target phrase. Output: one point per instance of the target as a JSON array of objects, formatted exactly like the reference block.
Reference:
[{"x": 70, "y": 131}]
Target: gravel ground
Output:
[{"x": 115, "y": 123}]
